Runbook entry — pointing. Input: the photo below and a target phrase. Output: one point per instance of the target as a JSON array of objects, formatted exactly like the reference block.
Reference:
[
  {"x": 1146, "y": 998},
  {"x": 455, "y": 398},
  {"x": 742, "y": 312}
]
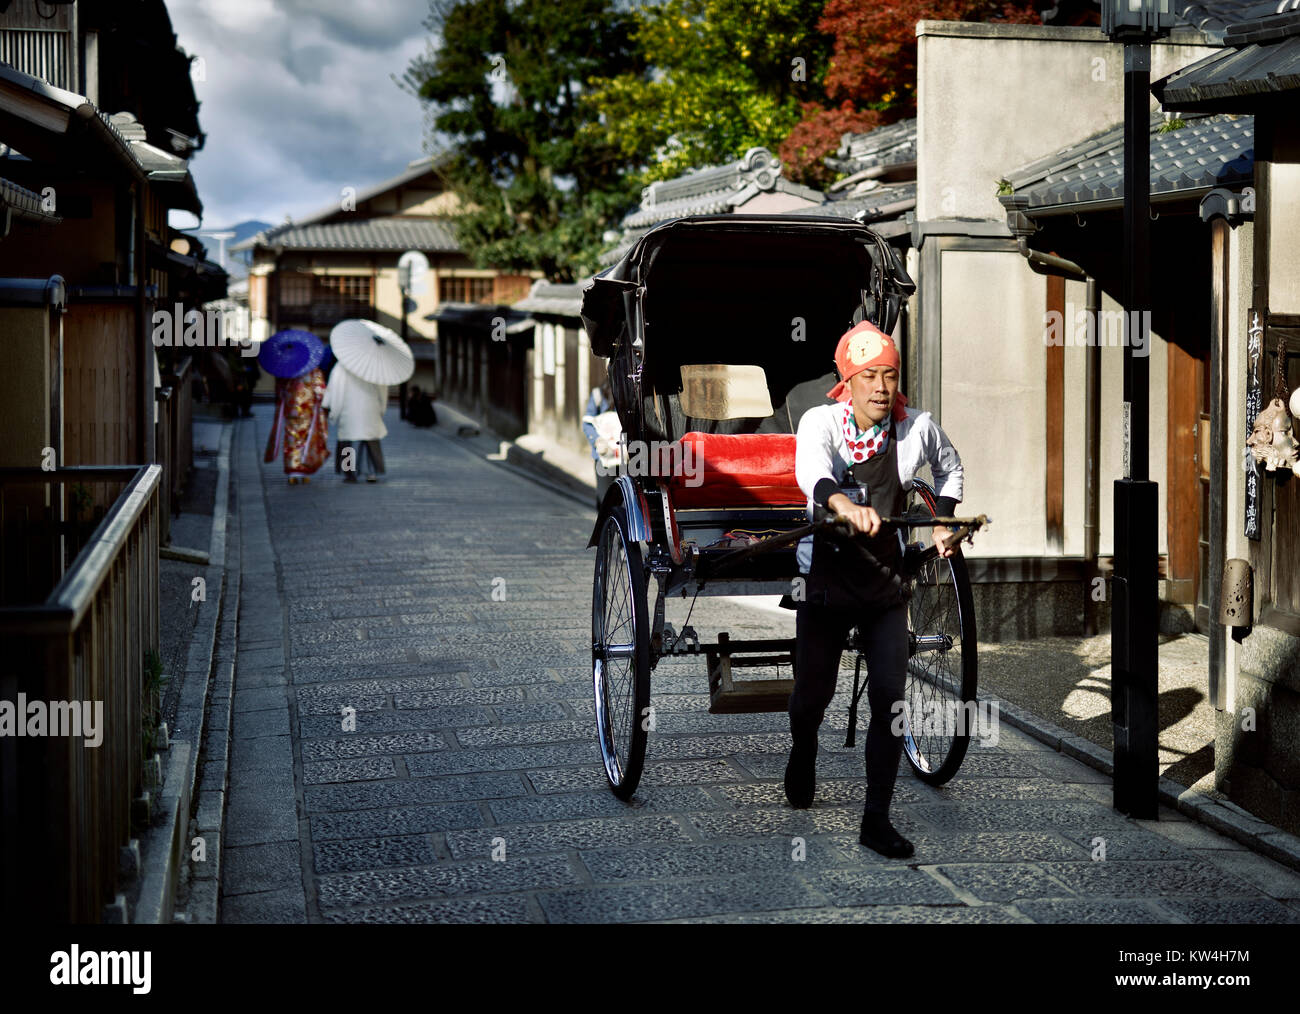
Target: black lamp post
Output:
[{"x": 1134, "y": 615}]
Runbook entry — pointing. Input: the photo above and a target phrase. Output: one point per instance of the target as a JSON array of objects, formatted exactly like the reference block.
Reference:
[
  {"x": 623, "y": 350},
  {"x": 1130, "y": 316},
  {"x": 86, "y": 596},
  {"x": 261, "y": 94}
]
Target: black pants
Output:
[
  {"x": 820, "y": 633},
  {"x": 368, "y": 455}
]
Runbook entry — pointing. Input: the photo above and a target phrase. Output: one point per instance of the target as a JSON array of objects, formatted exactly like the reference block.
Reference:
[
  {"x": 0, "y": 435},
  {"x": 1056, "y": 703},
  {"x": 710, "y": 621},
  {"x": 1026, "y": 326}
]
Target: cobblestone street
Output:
[{"x": 475, "y": 731}]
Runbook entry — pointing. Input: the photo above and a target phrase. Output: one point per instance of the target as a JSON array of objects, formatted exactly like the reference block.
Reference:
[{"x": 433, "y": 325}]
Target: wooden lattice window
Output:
[
  {"x": 465, "y": 290},
  {"x": 340, "y": 290},
  {"x": 295, "y": 289}
]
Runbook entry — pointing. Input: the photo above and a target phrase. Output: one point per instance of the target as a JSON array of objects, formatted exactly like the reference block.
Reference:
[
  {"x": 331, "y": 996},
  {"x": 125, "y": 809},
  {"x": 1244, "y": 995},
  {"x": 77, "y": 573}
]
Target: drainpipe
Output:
[
  {"x": 1048, "y": 264},
  {"x": 1092, "y": 461}
]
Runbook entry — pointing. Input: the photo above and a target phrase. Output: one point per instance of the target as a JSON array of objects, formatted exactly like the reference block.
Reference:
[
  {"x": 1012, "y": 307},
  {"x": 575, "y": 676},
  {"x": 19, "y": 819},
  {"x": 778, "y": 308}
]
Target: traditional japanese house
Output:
[
  {"x": 1249, "y": 247},
  {"x": 1038, "y": 454},
  {"x": 341, "y": 262},
  {"x": 753, "y": 184},
  {"x": 95, "y": 142}
]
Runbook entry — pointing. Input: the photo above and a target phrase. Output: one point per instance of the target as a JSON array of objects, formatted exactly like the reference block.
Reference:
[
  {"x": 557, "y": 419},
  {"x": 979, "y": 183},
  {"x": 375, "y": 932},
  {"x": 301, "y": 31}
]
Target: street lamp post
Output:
[
  {"x": 412, "y": 280},
  {"x": 1134, "y": 613}
]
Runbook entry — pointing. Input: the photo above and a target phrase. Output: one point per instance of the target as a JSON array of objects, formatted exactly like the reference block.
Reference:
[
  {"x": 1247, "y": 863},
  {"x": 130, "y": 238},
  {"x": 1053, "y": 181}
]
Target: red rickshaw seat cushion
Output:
[{"x": 738, "y": 470}]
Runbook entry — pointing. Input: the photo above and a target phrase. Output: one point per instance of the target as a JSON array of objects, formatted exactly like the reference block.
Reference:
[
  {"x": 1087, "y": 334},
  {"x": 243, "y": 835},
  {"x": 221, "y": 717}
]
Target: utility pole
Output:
[{"x": 1134, "y": 613}]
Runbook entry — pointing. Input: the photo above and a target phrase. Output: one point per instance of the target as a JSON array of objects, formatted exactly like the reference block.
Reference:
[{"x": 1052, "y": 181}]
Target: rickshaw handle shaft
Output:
[{"x": 965, "y": 526}]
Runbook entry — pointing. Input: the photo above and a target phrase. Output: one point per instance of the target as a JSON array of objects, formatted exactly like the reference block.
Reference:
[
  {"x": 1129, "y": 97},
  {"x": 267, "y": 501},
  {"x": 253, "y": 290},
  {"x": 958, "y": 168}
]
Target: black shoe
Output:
[
  {"x": 879, "y": 834},
  {"x": 801, "y": 773}
]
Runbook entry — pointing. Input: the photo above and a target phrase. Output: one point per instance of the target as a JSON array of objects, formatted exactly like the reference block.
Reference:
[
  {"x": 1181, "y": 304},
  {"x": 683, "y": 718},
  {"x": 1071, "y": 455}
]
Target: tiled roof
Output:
[
  {"x": 432, "y": 235},
  {"x": 1263, "y": 60},
  {"x": 883, "y": 203},
  {"x": 481, "y": 316},
  {"x": 630, "y": 236},
  {"x": 894, "y": 144},
  {"x": 1208, "y": 152},
  {"x": 714, "y": 189},
  {"x": 26, "y": 203},
  {"x": 550, "y": 297},
  {"x": 1216, "y": 17}
]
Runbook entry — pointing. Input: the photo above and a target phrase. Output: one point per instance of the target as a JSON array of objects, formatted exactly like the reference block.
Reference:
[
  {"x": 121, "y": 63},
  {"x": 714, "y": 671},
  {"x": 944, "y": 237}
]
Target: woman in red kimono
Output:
[{"x": 300, "y": 429}]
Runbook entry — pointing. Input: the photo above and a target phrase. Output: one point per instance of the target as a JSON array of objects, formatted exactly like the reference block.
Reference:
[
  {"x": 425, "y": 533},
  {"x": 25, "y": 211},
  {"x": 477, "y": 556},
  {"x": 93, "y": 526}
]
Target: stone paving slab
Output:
[
  {"x": 760, "y": 855},
  {"x": 318, "y": 726},
  {"x": 472, "y": 790},
  {"x": 561, "y": 835},
  {"x": 1220, "y": 910},
  {"x": 357, "y": 745},
  {"x": 1076, "y": 910},
  {"x": 655, "y": 774},
  {"x": 880, "y": 915},
  {"x": 363, "y": 769},
  {"x": 671, "y": 899},
  {"x": 396, "y": 820},
  {"x": 370, "y": 795},
  {"x": 349, "y": 854},
  {"x": 504, "y": 910},
  {"x": 480, "y": 876},
  {"x": 602, "y": 803}
]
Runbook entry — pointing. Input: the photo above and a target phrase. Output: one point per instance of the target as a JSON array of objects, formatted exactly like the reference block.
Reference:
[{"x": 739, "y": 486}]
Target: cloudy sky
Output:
[{"x": 298, "y": 102}]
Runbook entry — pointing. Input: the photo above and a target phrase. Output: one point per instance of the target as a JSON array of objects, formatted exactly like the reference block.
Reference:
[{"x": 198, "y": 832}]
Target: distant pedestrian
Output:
[
  {"x": 601, "y": 425},
  {"x": 357, "y": 408},
  {"x": 247, "y": 374},
  {"x": 300, "y": 430},
  {"x": 419, "y": 409}
]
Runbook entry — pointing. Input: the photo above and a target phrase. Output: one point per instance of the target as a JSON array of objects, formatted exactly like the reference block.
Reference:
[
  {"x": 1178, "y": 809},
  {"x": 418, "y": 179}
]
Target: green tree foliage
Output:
[
  {"x": 727, "y": 75},
  {"x": 504, "y": 82}
]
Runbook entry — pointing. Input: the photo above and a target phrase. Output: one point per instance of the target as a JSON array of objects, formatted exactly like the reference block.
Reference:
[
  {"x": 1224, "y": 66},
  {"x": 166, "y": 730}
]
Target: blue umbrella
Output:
[{"x": 291, "y": 353}]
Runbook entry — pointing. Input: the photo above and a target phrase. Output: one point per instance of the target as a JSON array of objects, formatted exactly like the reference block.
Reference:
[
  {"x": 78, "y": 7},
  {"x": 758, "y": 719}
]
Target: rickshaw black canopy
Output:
[{"x": 773, "y": 291}]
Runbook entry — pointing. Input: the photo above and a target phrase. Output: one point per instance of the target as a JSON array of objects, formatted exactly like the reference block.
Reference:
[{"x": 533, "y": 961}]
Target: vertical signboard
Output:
[{"x": 1254, "y": 361}]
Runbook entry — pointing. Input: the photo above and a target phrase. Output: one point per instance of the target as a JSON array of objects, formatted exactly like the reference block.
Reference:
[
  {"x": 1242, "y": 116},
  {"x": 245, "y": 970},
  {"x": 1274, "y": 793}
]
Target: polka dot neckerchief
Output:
[{"x": 862, "y": 446}]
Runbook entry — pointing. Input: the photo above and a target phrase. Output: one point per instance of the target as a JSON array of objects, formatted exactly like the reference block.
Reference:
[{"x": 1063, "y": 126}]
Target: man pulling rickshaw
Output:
[{"x": 855, "y": 459}]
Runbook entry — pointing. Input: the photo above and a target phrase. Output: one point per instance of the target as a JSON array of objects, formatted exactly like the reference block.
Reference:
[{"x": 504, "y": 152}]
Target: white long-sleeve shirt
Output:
[
  {"x": 822, "y": 452},
  {"x": 356, "y": 406}
]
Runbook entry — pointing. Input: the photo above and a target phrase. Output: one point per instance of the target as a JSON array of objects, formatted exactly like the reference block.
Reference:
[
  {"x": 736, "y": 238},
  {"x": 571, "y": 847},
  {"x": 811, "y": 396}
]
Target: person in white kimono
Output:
[{"x": 356, "y": 409}]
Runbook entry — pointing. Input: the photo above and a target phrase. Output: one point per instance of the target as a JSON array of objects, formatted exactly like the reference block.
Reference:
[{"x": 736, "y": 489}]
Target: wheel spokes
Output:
[
  {"x": 614, "y": 650},
  {"x": 933, "y": 691}
]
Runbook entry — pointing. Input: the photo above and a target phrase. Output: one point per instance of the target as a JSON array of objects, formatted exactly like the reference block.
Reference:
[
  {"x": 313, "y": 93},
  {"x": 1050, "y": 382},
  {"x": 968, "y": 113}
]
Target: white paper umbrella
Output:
[{"x": 372, "y": 352}]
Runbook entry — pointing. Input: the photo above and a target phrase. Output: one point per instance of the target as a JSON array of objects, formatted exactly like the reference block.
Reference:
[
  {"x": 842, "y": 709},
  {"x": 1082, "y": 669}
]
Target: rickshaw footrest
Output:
[
  {"x": 734, "y": 697},
  {"x": 751, "y": 696}
]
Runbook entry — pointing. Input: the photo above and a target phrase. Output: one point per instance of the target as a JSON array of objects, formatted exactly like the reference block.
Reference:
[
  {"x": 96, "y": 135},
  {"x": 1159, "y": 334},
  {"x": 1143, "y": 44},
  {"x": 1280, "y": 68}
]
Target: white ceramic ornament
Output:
[{"x": 1271, "y": 441}]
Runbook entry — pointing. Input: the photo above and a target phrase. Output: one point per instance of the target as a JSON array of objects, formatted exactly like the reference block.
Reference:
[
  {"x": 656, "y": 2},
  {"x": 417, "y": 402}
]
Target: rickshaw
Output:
[{"x": 720, "y": 331}]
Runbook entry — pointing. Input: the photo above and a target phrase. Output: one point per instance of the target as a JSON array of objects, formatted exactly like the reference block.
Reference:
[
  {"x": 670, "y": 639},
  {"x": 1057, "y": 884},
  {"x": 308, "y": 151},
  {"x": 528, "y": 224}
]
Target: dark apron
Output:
[{"x": 840, "y": 578}]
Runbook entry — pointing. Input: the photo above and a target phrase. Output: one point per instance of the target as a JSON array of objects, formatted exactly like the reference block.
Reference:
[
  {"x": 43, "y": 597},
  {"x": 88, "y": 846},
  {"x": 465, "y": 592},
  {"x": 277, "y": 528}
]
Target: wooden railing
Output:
[{"x": 65, "y": 805}]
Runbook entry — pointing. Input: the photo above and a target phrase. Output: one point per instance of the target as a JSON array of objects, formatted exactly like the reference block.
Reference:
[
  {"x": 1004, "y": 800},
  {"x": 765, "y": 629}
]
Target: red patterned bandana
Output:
[{"x": 862, "y": 446}]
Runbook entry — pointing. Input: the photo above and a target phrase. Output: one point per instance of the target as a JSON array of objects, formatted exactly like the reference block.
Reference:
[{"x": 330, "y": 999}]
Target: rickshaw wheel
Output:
[
  {"x": 620, "y": 655},
  {"x": 941, "y": 670}
]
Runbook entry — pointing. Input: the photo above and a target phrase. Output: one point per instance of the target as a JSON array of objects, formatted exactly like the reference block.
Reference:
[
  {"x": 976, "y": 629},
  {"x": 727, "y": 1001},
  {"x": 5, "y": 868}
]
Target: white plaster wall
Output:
[
  {"x": 1284, "y": 228},
  {"x": 994, "y": 97},
  {"x": 388, "y": 299},
  {"x": 993, "y": 409},
  {"x": 994, "y": 406},
  {"x": 1112, "y": 431},
  {"x": 1076, "y": 298}
]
